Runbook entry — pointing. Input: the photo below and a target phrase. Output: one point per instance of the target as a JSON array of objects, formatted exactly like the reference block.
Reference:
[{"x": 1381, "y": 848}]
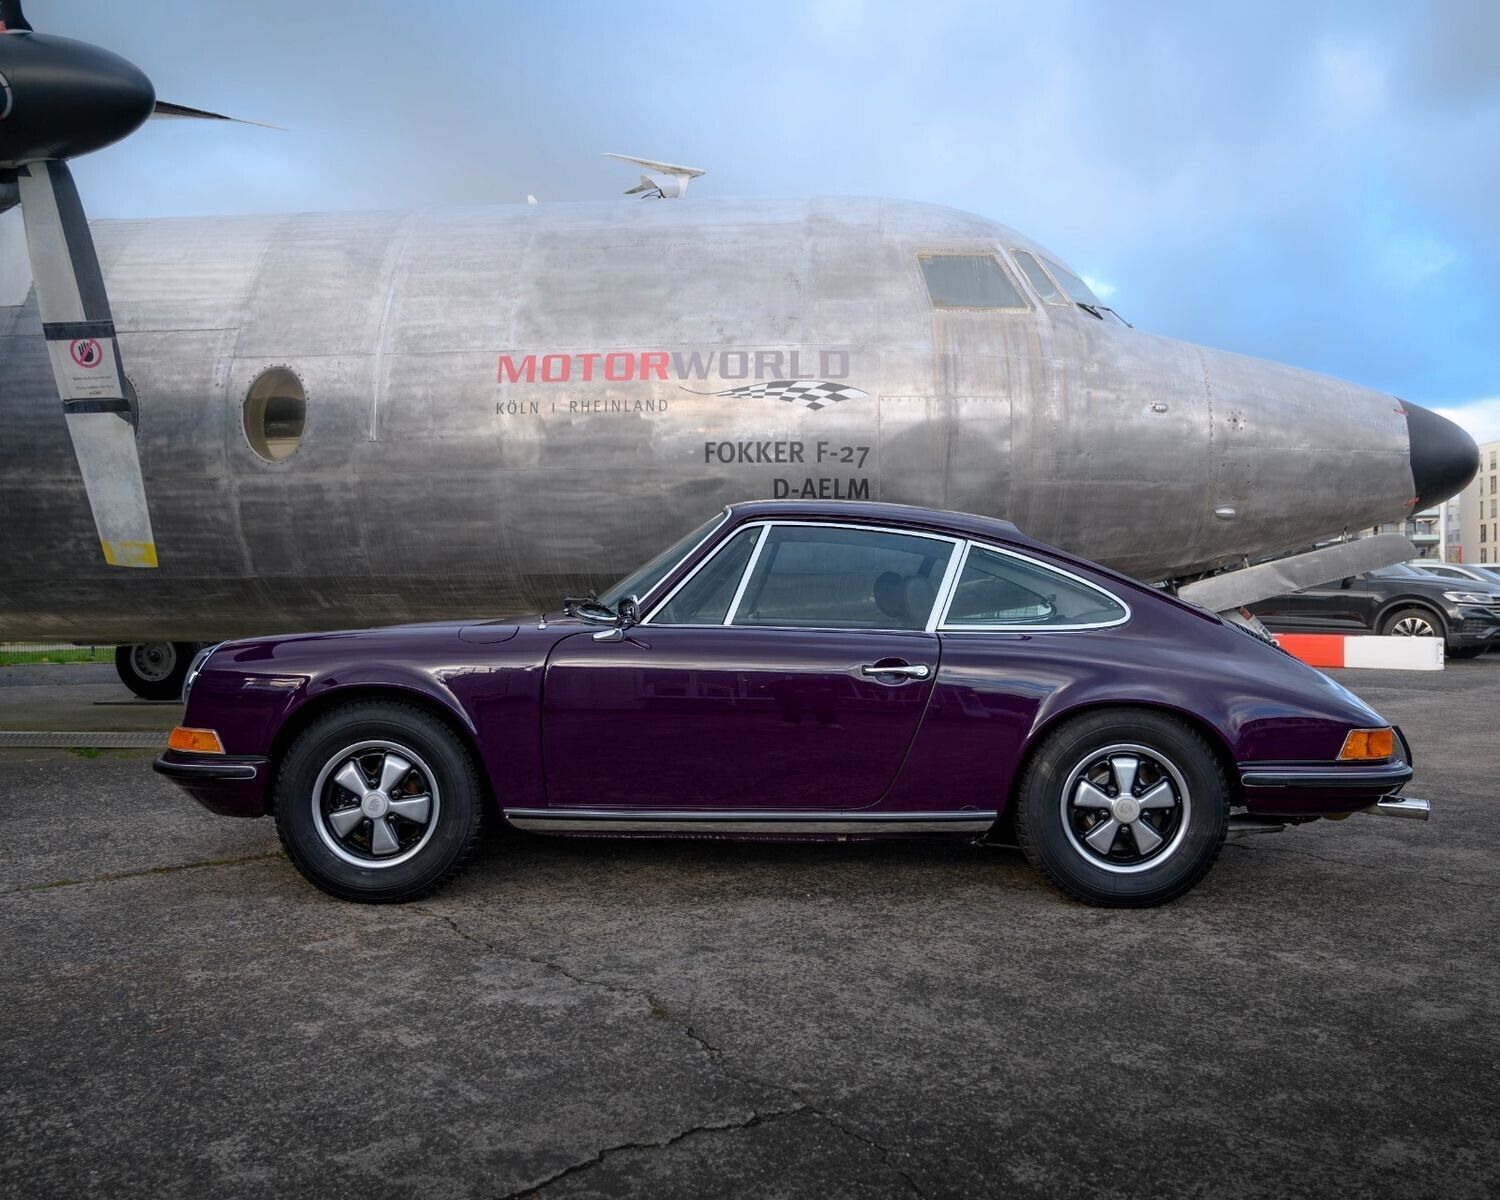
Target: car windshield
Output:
[
  {"x": 1399, "y": 571},
  {"x": 644, "y": 578}
]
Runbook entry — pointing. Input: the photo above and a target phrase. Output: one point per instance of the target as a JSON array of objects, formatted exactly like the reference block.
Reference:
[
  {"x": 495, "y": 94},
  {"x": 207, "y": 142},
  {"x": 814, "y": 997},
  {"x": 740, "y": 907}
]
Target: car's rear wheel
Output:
[
  {"x": 378, "y": 801},
  {"x": 1123, "y": 807}
]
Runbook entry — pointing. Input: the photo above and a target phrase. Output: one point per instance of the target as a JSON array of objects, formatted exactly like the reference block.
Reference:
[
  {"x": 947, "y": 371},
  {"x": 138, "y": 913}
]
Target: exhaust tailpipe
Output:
[{"x": 1401, "y": 806}]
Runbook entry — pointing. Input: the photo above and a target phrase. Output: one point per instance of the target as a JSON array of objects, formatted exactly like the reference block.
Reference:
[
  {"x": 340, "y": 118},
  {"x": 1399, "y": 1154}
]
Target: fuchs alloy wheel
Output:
[
  {"x": 378, "y": 801},
  {"x": 155, "y": 670},
  {"x": 1123, "y": 807}
]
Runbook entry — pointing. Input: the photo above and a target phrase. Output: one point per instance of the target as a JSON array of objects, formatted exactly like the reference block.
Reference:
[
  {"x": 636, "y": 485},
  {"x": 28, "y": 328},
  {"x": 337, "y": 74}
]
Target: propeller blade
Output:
[
  {"x": 86, "y": 365},
  {"x": 166, "y": 109},
  {"x": 12, "y": 19}
]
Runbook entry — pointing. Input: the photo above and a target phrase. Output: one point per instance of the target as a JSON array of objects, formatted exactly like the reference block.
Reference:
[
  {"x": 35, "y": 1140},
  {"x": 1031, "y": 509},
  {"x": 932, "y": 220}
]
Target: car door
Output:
[
  {"x": 1330, "y": 606},
  {"x": 790, "y": 671}
]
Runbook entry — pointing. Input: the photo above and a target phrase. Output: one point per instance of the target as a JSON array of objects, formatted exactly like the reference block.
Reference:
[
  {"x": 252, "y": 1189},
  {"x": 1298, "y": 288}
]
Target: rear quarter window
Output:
[{"x": 997, "y": 589}]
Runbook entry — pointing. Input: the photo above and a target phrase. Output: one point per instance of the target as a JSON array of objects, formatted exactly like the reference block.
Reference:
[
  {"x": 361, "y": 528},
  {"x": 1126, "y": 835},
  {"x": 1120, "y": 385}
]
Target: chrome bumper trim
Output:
[
  {"x": 1401, "y": 806},
  {"x": 1387, "y": 775},
  {"x": 589, "y": 820},
  {"x": 187, "y": 772}
]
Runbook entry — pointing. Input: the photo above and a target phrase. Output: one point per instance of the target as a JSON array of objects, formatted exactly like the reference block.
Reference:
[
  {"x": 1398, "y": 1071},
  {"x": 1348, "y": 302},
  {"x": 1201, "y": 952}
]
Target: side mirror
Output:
[
  {"x": 627, "y": 613},
  {"x": 1347, "y": 581}
]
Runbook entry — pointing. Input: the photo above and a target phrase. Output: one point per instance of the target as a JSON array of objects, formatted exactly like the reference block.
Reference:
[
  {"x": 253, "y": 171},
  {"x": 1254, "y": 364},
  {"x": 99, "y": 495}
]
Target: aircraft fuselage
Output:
[{"x": 504, "y": 405}]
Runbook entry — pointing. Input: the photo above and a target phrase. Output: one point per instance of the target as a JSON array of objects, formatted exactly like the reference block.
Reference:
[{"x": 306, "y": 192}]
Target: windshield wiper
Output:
[{"x": 1098, "y": 310}]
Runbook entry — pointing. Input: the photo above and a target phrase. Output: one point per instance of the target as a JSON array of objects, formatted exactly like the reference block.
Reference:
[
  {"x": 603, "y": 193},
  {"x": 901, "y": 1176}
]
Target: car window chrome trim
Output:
[
  {"x": 955, "y": 544},
  {"x": 580, "y": 820},
  {"x": 945, "y": 591},
  {"x": 1024, "y": 627},
  {"x": 739, "y": 588},
  {"x": 691, "y": 575},
  {"x": 724, "y": 515}
]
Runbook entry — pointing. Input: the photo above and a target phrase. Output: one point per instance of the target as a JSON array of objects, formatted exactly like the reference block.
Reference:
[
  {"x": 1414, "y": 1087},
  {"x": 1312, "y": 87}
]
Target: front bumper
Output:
[
  {"x": 229, "y": 786},
  {"x": 1473, "y": 626}
]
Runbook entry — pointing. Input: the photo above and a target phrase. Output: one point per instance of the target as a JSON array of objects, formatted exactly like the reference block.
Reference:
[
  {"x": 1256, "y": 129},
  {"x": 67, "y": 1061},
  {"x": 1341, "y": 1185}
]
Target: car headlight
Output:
[
  {"x": 1468, "y": 598},
  {"x": 197, "y": 665}
]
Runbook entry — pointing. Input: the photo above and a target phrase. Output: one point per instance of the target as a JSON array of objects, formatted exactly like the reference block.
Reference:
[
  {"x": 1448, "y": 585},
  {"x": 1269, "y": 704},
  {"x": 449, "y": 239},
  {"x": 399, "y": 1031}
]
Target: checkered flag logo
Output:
[{"x": 810, "y": 393}]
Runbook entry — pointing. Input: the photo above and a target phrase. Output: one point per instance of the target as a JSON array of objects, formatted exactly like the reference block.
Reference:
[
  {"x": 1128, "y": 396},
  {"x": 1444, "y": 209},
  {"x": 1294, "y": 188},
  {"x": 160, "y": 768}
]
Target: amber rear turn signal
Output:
[
  {"x": 195, "y": 741},
  {"x": 1368, "y": 745}
]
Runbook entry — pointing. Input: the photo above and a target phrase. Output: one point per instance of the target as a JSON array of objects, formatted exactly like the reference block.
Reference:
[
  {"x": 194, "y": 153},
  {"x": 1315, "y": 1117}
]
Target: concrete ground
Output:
[{"x": 183, "y": 1016}]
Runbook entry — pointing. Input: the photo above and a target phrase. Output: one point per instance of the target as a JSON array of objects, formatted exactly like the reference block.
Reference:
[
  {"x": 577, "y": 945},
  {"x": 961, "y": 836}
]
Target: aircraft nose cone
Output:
[{"x": 1443, "y": 457}]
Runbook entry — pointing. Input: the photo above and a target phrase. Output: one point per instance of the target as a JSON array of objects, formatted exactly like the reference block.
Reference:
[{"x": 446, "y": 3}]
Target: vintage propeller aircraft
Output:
[{"x": 314, "y": 421}]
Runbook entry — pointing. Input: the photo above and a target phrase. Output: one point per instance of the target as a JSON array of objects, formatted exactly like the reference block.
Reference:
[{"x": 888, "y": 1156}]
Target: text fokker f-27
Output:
[{"x": 314, "y": 421}]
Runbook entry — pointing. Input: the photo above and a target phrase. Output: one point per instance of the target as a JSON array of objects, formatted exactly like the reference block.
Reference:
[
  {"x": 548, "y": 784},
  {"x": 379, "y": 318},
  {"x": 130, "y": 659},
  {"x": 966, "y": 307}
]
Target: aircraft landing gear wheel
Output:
[
  {"x": 155, "y": 670},
  {"x": 1125, "y": 807}
]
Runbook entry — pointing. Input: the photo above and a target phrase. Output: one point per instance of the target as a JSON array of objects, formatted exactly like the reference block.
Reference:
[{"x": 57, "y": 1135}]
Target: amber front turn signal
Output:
[
  {"x": 195, "y": 741},
  {"x": 1368, "y": 745}
]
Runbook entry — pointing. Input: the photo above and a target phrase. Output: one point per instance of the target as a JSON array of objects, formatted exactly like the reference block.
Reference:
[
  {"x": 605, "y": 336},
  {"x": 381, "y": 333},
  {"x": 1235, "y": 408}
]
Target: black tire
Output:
[
  {"x": 428, "y": 854},
  {"x": 1405, "y": 621},
  {"x": 1096, "y": 749},
  {"x": 1466, "y": 651},
  {"x": 155, "y": 670}
]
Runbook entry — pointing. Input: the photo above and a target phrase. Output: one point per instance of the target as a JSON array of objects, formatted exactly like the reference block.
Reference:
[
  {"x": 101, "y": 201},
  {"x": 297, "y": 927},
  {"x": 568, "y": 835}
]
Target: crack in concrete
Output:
[
  {"x": 1348, "y": 862},
  {"x": 117, "y": 876},
  {"x": 599, "y": 1156},
  {"x": 715, "y": 1054}
]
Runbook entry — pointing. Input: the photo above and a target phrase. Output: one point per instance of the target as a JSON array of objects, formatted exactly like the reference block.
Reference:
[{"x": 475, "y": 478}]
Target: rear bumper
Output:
[
  {"x": 231, "y": 787},
  {"x": 1318, "y": 789},
  {"x": 1383, "y": 778}
]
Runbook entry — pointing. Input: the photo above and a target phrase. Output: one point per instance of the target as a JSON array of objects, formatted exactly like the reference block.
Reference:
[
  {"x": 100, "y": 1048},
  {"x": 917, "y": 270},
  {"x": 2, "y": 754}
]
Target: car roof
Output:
[{"x": 935, "y": 519}]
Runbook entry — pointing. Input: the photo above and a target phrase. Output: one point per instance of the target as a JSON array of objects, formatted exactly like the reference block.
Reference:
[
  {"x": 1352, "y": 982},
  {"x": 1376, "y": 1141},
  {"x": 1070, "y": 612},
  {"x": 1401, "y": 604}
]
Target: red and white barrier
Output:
[{"x": 1364, "y": 650}]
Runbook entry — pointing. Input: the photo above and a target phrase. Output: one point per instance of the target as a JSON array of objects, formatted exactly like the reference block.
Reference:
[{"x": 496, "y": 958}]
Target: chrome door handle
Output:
[{"x": 920, "y": 671}]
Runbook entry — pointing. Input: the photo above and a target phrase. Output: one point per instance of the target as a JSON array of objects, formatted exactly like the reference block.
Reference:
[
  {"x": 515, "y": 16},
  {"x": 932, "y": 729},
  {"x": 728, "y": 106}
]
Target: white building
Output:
[{"x": 1472, "y": 532}]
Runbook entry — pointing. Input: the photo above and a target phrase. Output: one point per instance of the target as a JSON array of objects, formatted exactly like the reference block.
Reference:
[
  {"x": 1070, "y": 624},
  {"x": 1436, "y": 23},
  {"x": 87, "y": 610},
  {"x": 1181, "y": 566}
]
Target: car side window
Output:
[
  {"x": 998, "y": 589},
  {"x": 705, "y": 598},
  {"x": 830, "y": 577}
]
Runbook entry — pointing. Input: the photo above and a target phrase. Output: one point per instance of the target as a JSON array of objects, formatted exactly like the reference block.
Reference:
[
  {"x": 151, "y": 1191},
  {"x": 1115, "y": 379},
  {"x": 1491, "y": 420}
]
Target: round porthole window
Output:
[{"x": 275, "y": 412}]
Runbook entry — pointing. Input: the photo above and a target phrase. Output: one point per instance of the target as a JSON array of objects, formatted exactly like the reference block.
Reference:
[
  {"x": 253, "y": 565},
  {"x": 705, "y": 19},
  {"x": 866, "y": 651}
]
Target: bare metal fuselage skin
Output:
[{"x": 507, "y": 404}]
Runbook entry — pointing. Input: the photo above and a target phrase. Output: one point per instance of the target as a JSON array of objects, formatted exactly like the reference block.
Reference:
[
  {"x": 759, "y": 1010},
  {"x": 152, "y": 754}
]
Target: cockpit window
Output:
[
  {"x": 969, "y": 281},
  {"x": 1078, "y": 291},
  {"x": 1082, "y": 295},
  {"x": 1045, "y": 288}
]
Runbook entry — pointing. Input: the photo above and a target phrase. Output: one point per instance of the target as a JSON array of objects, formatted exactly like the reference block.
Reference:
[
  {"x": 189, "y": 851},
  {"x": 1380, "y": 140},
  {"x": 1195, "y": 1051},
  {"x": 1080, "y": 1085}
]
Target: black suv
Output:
[{"x": 1393, "y": 600}]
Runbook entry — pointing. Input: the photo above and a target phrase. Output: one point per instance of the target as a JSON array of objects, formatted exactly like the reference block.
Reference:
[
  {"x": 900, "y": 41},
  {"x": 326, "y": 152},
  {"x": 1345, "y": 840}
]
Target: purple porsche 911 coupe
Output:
[{"x": 800, "y": 670}]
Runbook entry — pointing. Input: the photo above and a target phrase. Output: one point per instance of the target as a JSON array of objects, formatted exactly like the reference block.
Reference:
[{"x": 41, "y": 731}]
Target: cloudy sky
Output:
[{"x": 1317, "y": 184}]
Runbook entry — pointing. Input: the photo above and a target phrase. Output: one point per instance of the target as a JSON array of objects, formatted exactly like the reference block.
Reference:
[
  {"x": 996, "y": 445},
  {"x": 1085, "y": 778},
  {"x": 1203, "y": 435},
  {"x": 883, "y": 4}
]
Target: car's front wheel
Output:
[
  {"x": 1123, "y": 807},
  {"x": 1412, "y": 622},
  {"x": 378, "y": 801}
]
